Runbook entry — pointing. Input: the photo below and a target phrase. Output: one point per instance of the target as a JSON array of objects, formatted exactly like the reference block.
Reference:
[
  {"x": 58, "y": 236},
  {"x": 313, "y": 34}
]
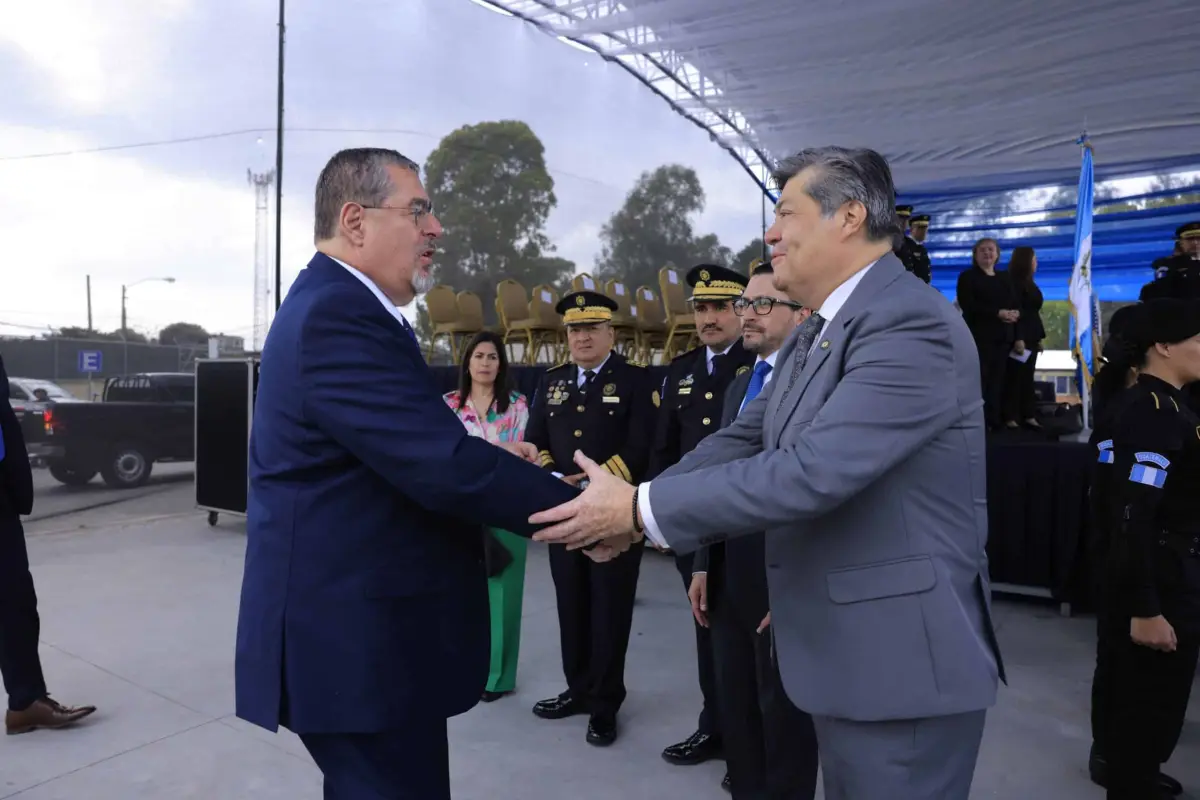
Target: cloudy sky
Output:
[{"x": 77, "y": 75}]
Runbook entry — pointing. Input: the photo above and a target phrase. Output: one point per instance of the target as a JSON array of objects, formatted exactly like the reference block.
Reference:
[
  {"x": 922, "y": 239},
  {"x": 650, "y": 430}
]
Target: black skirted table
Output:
[
  {"x": 1038, "y": 519},
  {"x": 1037, "y": 508}
]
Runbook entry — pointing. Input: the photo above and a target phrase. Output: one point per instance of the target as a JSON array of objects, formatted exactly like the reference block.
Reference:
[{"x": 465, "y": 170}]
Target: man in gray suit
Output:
[{"x": 864, "y": 463}]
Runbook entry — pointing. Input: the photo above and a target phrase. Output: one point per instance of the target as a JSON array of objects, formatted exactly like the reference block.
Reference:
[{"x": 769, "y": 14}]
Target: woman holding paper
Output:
[{"x": 1020, "y": 403}]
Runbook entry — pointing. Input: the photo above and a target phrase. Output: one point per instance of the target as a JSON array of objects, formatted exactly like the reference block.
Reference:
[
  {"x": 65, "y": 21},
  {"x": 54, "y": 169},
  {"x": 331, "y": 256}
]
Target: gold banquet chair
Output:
[
  {"x": 680, "y": 321},
  {"x": 624, "y": 321},
  {"x": 445, "y": 321},
  {"x": 652, "y": 325}
]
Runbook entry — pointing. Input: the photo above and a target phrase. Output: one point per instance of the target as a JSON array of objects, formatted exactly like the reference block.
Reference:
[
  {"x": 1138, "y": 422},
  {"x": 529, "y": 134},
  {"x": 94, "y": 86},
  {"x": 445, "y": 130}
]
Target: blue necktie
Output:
[
  {"x": 408, "y": 328},
  {"x": 757, "y": 380}
]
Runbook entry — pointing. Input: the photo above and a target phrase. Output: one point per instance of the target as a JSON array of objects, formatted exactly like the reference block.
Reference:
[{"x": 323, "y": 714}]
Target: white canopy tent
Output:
[{"x": 961, "y": 96}]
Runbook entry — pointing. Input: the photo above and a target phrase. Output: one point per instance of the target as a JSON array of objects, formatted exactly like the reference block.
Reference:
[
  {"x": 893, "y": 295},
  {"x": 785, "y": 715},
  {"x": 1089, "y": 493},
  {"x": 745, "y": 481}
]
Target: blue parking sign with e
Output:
[{"x": 90, "y": 360}]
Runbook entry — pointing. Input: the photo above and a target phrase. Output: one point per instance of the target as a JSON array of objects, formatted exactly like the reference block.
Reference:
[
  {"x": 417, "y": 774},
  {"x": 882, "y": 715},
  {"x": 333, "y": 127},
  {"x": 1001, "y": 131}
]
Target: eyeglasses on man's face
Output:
[
  {"x": 419, "y": 209},
  {"x": 762, "y": 305}
]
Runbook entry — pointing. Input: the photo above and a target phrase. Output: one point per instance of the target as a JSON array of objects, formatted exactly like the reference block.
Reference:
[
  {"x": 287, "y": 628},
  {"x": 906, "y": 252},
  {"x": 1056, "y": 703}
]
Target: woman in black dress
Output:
[
  {"x": 1020, "y": 403},
  {"x": 989, "y": 306}
]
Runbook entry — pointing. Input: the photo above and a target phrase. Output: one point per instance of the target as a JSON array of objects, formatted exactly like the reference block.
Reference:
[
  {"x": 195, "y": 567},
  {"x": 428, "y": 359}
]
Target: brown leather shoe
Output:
[{"x": 44, "y": 713}]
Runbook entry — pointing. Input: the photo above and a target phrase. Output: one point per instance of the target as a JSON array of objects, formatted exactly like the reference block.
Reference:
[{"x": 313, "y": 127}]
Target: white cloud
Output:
[
  {"x": 120, "y": 221},
  {"x": 95, "y": 51}
]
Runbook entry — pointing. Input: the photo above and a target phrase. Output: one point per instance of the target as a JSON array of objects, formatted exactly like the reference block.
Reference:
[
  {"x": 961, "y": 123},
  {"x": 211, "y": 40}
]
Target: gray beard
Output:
[{"x": 423, "y": 281}]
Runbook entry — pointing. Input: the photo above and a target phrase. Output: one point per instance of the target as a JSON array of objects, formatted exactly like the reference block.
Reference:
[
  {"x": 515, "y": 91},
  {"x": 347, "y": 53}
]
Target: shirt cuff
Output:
[
  {"x": 558, "y": 475},
  {"x": 652, "y": 532}
]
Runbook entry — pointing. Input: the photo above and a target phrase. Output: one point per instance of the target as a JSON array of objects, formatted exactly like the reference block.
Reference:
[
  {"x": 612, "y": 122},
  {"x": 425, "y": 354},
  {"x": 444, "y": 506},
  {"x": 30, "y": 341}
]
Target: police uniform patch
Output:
[
  {"x": 610, "y": 388},
  {"x": 1150, "y": 470},
  {"x": 742, "y": 370}
]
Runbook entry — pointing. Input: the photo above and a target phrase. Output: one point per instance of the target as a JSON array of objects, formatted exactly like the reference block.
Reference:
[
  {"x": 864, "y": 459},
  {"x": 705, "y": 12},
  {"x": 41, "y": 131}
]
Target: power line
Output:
[{"x": 258, "y": 131}]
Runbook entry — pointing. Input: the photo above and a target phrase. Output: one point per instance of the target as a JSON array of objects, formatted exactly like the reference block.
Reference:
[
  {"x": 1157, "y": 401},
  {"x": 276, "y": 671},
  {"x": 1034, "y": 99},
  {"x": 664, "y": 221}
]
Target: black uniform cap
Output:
[
  {"x": 711, "y": 282},
  {"x": 917, "y": 220},
  {"x": 1190, "y": 230},
  {"x": 1165, "y": 320},
  {"x": 586, "y": 308}
]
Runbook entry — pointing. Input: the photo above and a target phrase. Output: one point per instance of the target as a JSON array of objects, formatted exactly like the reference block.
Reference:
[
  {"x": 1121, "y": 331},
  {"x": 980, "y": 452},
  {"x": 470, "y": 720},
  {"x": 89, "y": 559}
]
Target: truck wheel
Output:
[
  {"x": 71, "y": 476},
  {"x": 127, "y": 467}
]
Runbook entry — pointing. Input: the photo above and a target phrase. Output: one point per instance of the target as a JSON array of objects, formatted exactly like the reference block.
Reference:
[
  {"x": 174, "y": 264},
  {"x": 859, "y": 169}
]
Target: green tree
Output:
[
  {"x": 743, "y": 257},
  {"x": 493, "y": 193},
  {"x": 654, "y": 228},
  {"x": 1056, "y": 317},
  {"x": 183, "y": 333}
]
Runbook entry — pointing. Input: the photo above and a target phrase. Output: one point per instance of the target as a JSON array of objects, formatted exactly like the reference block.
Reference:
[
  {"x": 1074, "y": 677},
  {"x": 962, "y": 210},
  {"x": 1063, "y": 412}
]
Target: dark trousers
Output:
[
  {"x": 993, "y": 364},
  {"x": 595, "y": 614},
  {"x": 1020, "y": 403},
  {"x": 410, "y": 763},
  {"x": 770, "y": 745},
  {"x": 708, "y": 722},
  {"x": 20, "y": 627},
  {"x": 1146, "y": 698}
]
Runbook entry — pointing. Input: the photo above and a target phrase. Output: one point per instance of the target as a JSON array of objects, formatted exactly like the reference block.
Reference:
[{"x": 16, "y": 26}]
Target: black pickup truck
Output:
[{"x": 140, "y": 420}]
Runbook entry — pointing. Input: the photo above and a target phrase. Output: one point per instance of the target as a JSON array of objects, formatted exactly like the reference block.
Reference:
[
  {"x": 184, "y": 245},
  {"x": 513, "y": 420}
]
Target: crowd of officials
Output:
[{"x": 1145, "y": 506}]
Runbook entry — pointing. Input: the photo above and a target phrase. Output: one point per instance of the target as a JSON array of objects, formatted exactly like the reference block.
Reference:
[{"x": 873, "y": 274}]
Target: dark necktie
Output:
[
  {"x": 718, "y": 361},
  {"x": 757, "y": 381},
  {"x": 589, "y": 375},
  {"x": 408, "y": 328},
  {"x": 804, "y": 342}
]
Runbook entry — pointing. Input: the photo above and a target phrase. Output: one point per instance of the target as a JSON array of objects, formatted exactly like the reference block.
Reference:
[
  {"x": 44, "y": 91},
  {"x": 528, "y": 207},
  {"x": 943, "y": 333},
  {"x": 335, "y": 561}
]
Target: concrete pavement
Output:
[{"x": 139, "y": 603}]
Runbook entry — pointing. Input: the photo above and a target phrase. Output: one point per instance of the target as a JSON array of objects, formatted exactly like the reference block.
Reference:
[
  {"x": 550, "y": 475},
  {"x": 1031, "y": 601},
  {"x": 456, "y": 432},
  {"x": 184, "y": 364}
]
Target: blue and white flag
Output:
[{"x": 1085, "y": 307}]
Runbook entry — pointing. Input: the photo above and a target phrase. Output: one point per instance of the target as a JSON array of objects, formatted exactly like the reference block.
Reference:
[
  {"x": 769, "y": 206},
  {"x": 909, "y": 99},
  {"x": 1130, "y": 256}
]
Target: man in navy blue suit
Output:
[{"x": 364, "y": 609}]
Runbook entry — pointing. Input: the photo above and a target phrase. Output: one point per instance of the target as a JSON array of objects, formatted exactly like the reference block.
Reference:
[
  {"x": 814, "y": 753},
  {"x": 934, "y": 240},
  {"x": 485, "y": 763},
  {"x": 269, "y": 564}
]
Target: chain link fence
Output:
[{"x": 61, "y": 360}]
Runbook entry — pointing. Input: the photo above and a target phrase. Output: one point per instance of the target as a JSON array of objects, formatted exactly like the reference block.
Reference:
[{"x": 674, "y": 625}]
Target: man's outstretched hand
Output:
[{"x": 603, "y": 511}]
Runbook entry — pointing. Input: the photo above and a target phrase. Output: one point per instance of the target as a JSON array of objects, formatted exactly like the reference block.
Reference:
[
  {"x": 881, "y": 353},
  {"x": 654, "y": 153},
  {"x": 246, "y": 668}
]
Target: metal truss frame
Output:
[{"x": 589, "y": 25}]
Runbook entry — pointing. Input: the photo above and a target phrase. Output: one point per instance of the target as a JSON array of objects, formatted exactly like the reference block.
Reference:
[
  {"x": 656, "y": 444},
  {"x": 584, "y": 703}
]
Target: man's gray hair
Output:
[
  {"x": 842, "y": 174},
  {"x": 358, "y": 176}
]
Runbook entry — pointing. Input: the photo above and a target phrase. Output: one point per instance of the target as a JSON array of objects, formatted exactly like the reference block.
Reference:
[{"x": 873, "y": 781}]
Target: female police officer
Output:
[{"x": 1152, "y": 581}]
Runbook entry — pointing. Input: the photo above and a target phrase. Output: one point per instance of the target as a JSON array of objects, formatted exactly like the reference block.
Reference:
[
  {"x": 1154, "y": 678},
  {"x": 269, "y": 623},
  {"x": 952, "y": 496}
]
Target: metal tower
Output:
[{"x": 262, "y": 182}]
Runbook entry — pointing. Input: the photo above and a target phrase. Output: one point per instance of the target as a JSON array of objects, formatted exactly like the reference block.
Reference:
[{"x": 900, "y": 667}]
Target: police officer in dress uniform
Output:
[
  {"x": 1152, "y": 599},
  {"x": 770, "y": 745},
  {"x": 1109, "y": 398},
  {"x": 29, "y": 705},
  {"x": 692, "y": 396},
  {"x": 1179, "y": 274},
  {"x": 604, "y": 405},
  {"x": 911, "y": 250}
]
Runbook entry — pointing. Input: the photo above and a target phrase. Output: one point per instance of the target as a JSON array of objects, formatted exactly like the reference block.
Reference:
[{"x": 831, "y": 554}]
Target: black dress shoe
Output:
[
  {"x": 559, "y": 707},
  {"x": 696, "y": 749},
  {"x": 726, "y": 785},
  {"x": 602, "y": 730},
  {"x": 1098, "y": 772},
  {"x": 491, "y": 697}
]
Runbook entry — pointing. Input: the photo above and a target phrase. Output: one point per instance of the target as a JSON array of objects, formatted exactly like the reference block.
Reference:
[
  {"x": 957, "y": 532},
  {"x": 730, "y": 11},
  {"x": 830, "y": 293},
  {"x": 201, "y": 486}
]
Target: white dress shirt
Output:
[
  {"x": 580, "y": 377},
  {"x": 828, "y": 310}
]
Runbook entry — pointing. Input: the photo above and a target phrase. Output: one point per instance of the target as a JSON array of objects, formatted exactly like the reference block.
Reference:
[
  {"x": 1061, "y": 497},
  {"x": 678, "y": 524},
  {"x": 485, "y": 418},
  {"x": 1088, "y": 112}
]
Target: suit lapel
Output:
[
  {"x": 885, "y": 272},
  {"x": 737, "y": 394}
]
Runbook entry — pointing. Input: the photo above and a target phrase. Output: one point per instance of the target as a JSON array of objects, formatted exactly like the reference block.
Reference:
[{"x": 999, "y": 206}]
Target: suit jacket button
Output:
[
  {"x": 707, "y": 396},
  {"x": 579, "y": 409},
  {"x": 706, "y": 421},
  {"x": 578, "y": 434}
]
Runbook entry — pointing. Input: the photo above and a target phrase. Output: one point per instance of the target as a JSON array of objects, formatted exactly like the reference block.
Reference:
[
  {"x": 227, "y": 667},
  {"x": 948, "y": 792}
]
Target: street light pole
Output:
[{"x": 124, "y": 295}]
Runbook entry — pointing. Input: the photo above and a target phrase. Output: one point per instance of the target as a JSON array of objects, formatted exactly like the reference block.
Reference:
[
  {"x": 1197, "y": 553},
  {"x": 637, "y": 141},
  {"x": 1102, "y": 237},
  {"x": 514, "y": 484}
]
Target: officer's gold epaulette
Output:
[
  {"x": 559, "y": 366},
  {"x": 633, "y": 363}
]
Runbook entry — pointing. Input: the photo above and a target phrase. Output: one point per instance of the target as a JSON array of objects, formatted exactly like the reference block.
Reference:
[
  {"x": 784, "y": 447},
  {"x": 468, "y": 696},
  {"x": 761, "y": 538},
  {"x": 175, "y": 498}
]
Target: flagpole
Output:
[{"x": 1081, "y": 278}]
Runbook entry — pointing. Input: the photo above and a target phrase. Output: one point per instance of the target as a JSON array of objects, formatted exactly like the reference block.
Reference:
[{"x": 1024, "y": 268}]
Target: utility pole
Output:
[
  {"x": 89, "y": 299},
  {"x": 262, "y": 265},
  {"x": 279, "y": 163}
]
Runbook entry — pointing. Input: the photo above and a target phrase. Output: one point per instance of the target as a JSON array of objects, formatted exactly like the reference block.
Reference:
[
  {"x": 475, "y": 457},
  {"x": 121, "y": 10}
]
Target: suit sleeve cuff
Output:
[{"x": 652, "y": 530}]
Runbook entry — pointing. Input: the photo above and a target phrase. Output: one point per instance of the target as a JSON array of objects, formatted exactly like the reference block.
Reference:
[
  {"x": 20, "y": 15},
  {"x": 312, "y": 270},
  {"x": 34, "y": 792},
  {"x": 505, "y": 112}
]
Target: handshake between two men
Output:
[{"x": 605, "y": 514}]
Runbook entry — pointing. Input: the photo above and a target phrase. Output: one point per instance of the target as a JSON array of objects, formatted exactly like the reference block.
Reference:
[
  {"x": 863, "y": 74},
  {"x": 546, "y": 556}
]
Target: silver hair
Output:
[
  {"x": 842, "y": 174},
  {"x": 358, "y": 176}
]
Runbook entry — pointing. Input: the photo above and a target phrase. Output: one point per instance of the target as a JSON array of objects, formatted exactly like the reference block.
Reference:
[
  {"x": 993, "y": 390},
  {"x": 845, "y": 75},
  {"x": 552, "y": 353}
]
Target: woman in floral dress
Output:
[{"x": 490, "y": 410}]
